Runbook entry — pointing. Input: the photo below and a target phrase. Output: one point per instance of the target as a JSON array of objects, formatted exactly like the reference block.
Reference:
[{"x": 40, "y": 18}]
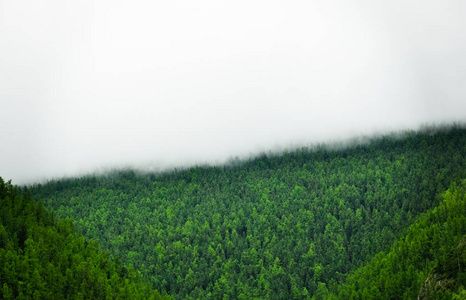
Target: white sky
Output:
[{"x": 91, "y": 84}]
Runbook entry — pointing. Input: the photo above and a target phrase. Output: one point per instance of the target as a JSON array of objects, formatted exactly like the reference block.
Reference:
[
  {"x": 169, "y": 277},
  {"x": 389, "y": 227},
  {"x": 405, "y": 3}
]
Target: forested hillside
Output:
[
  {"x": 43, "y": 258},
  {"x": 429, "y": 262},
  {"x": 283, "y": 226}
]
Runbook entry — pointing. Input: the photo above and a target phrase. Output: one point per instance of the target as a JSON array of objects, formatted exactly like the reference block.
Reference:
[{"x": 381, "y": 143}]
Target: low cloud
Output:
[{"x": 92, "y": 84}]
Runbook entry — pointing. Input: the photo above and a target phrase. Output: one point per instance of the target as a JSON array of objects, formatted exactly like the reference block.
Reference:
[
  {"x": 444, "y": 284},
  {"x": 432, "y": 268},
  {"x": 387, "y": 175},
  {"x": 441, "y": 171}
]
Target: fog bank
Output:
[{"x": 92, "y": 84}]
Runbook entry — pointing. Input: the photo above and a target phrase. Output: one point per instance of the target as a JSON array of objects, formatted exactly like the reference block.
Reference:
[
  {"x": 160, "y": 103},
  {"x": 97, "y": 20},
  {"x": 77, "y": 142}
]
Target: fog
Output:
[{"x": 86, "y": 85}]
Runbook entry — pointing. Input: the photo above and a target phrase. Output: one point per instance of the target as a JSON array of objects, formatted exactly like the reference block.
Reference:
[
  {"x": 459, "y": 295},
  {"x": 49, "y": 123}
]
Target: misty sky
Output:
[{"x": 91, "y": 84}]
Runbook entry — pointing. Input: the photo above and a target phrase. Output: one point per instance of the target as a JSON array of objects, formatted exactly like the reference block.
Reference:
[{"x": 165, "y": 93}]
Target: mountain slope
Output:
[
  {"x": 271, "y": 227},
  {"x": 429, "y": 262},
  {"x": 42, "y": 258}
]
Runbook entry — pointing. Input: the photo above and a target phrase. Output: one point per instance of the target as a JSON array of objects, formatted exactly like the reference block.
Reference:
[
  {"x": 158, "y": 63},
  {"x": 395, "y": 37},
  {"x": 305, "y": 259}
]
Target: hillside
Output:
[
  {"x": 43, "y": 258},
  {"x": 429, "y": 262},
  {"x": 279, "y": 226}
]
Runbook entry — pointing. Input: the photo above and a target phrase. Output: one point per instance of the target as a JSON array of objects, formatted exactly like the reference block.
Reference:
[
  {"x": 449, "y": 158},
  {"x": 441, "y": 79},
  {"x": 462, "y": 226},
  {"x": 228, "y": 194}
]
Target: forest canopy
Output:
[
  {"x": 428, "y": 262},
  {"x": 41, "y": 257},
  {"x": 290, "y": 225}
]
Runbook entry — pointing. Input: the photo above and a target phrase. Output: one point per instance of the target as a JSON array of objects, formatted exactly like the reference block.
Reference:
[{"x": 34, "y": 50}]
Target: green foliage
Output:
[
  {"x": 41, "y": 258},
  {"x": 280, "y": 226},
  {"x": 428, "y": 263}
]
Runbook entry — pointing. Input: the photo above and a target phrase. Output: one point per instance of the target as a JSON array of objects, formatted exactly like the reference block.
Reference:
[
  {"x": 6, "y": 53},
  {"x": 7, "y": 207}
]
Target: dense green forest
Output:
[
  {"x": 286, "y": 226},
  {"x": 43, "y": 258},
  {"x": 429, "y": 262}
]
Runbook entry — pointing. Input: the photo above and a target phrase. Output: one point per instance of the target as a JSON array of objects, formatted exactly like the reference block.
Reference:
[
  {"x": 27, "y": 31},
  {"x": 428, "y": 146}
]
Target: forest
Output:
[
  {"x": 42, "y": 257},
  {"x": 428, "y": 262},
  {"x": 379, "y": 219}
]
